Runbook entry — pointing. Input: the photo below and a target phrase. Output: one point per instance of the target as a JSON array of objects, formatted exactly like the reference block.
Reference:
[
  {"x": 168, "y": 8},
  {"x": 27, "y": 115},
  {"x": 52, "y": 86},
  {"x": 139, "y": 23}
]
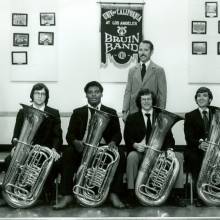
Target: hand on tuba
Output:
[
  {"x": 56, "y": 155},
  {"x": 203, "y": 144},
  {"x": 112, "y": 145}
]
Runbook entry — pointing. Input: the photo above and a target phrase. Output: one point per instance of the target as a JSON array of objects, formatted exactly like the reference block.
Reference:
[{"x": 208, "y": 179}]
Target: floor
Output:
[{"x": 107, "y": 212}]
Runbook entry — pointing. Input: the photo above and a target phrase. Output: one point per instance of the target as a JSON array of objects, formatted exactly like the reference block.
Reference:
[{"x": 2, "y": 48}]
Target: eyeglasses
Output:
[{"x": 40, "y": 93}]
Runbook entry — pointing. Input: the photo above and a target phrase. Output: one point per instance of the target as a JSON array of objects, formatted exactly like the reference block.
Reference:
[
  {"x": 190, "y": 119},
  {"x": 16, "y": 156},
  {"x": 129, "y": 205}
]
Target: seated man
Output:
[
  {"x": 76, "y": 135},
  {"x": 49, "y": 133},
  {"x": 196, "y": 128},
  {"x": 137, "y": 131}
]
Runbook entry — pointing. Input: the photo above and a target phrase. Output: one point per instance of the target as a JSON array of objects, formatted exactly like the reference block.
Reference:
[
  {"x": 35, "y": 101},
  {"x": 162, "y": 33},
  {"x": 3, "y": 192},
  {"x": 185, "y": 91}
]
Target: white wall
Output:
[{"x": 166, "y": 23}]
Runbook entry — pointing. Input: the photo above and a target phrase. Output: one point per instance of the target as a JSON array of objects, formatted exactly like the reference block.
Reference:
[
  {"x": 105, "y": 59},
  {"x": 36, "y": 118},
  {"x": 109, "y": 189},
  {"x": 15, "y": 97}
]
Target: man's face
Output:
[
  {"x": 39, "y": 97},
  {"x": 144, "y": 52},
  {"x": 94, "y": 95},
  {"x": 203, "y": 99},
  {"x": 146, "y": 102}
]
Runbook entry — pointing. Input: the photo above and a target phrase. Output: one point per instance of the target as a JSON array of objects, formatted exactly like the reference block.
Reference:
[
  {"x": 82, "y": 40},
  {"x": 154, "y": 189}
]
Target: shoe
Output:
[
  {"x": 116, "y": 202},
  {"x": 63, "y": 203},
  {"x": 131, "y": 199},
  {"x": 199, "y": 203}
]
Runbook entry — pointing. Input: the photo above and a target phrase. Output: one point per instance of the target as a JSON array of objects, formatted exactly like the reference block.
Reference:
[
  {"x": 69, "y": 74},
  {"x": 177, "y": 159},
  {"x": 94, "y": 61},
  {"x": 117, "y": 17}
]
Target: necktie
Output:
[
  {"x": 206, "y": 122},
  {"x": 148, "y": 128},
  {"x": 143, "y": 71}
]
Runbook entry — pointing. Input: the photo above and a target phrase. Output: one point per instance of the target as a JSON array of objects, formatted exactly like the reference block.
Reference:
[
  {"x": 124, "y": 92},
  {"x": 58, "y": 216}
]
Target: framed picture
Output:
[
  {"x": 218, "y": 48},
  {"x": 46, "y": 38},
  {"x": 219, "y": 27},
  {"x": 19, "y": 19},
  {"x": 20, "y": 40},
  {"x": 211, "y": 9},
  {"x": 199, "y": 27},
  {"x": 19, "y": 57},
  {"x": 199, "y": 47},
  {"x": 47, "y": 19}
]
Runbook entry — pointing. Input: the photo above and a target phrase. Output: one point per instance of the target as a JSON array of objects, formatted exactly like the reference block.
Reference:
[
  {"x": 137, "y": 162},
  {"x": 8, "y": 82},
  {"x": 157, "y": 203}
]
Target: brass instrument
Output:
[
  {"x": 208, "y": 184},
  {"x": 29, "y": 166},
  {"x": 98, "y": 164},
  {"x": 158, "y": 171}
]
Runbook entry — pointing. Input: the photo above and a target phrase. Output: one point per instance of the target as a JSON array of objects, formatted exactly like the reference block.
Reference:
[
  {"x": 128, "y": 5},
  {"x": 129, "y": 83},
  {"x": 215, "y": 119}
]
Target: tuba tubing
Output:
[
  {"x": 30, "y": 164},
  {"x": 158, "y": 171}
]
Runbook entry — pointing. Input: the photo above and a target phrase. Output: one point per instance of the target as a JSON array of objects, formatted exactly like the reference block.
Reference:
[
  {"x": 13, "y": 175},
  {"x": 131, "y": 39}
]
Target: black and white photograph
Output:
[
  {"x": 19, "y": 19},
  {"x": 47, "y": 19},
  {"x": 20, "y": 39},
  {"x": 110, "y": 110},
  {"x": 46, "y": 38},
  {"x": 199, "y": 27},
  {"x": 19, "y": 57},
  {"x": 199, "y": 48},
  {"x": 211, "y": 9}
]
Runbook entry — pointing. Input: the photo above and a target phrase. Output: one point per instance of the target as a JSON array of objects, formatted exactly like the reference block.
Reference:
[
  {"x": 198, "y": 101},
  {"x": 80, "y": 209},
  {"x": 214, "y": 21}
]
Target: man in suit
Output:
[
  {"x": 136, "y": 134},
  {"x": 49, "y": 134},
  {"x": 196, "y": 128},
  {"x": 76, "y": 135},
  {"x": 146, "y": 74}
]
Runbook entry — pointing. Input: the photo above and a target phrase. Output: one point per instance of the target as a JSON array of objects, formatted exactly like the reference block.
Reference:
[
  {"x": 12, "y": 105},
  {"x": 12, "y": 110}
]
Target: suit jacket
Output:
[
  {"x": 135, "y": 131},
  {"x": 49, "y": 133},
  {"x": 194, "y": 129},
  {"x": 154, "y": 79},
  {"x": 78, "y": 123}
]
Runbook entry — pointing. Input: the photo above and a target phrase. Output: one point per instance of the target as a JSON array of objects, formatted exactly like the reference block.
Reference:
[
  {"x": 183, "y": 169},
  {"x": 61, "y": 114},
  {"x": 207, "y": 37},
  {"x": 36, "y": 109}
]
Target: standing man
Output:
[
  {"x": 137, "y": 131},
  {"x": 146, "y": 74},
  {"x": 196, "y": 128},
  {"x": 76, "y": 135}
]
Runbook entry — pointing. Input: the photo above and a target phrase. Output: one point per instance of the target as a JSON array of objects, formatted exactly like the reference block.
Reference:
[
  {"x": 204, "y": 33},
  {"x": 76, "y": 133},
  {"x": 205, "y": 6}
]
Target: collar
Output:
[
  {"x": 145, "y": 112},
  {"x": 37, "y": 107},
  {"x": 98, "y": 107},
  {"x": 146, "y": 64}
]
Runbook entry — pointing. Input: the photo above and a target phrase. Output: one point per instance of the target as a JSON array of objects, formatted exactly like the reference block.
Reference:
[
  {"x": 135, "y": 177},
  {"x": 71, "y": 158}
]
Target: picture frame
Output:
[
  {"x": 199, "y": 47},
  {"x": 46, "y": 38},
  {"x": 199, "y": 27},
  {"x": 20, "y": 39},
  {"x": 19, "y": 19},
  {"x": 218, "y": 48},
  {"x": 219, "y": 27},
  {"x": 47, "y": 19},
  {"x": 19, "y": 57},
  {"x": 211, "y": 9}
]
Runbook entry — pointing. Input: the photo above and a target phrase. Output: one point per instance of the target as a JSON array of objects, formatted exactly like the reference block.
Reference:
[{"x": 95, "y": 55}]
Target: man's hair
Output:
[
  {"x": 93, "y": 83},
  {"x": 143, "y": 92},
  {"x": 202, "y": 90},
  {"x": 147, "y": 42},
  {"x": 39, "y": 86}
]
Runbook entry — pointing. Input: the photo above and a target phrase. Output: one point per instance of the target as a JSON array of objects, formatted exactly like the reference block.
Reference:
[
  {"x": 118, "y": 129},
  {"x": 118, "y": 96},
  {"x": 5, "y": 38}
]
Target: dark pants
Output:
[{"x": 70, "y": 163}]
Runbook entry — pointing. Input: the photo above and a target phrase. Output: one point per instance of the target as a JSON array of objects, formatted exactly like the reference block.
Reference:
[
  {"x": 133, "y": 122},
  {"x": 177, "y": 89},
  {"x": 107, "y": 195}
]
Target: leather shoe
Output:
[
  {"x": 63, "y": 203},
  {"x": 199, "y": 203},
  {"x": 116, "y": 202}
]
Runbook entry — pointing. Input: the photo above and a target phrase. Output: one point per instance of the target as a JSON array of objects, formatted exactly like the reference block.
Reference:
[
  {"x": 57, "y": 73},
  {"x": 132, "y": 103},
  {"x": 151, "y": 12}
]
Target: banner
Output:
[{"x": 121, "y": 32}]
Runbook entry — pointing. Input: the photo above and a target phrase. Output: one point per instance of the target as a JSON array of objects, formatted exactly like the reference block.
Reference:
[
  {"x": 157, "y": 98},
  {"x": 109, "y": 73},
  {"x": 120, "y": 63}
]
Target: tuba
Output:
[
  {"x": 29, "y": 166},
  {"x": 159, "y": 170},
  {"x": 98, "y": 165},
  {"x": 208, "y": 184}
]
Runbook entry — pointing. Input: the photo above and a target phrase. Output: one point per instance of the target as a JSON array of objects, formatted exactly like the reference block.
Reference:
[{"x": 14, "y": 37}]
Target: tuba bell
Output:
[
  {"x": 29, "y": 166},
  {"x": 208, "y": 184},
  {"x": 98, "y": 165},
  {"x": 158, "y": 171}
]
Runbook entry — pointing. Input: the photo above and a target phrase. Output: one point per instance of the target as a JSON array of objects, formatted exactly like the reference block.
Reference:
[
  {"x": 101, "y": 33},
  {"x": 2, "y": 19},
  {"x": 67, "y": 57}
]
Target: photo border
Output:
[
  {"x": 14, "y": 34},
  {"x": 54, "y": 16},
  {"x": 192, "y": 25},
  {"x": 195, "y": 42},
  {"x": 39, "y": 33},
  {"x": 206, "y": 13},
  {"x": 26, "y": 20},
  {"x": 12, "y": 58}
]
